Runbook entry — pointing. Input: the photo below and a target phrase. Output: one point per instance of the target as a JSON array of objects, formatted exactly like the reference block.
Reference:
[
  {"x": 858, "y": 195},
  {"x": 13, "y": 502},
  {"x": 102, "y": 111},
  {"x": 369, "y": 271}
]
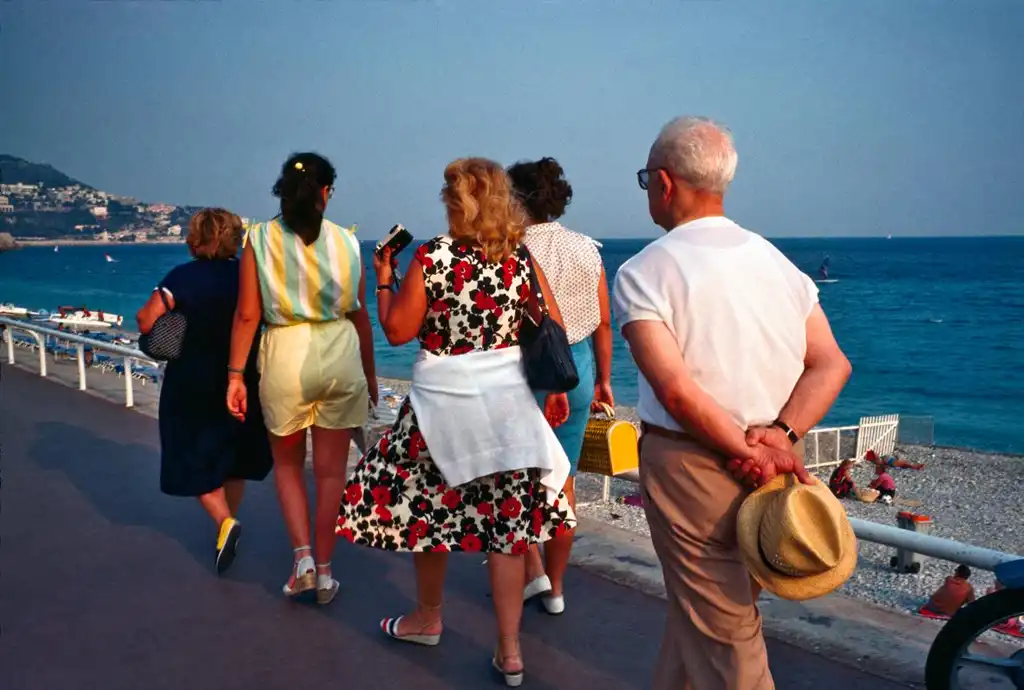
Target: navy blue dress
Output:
[{"x": 201, "y": 444}]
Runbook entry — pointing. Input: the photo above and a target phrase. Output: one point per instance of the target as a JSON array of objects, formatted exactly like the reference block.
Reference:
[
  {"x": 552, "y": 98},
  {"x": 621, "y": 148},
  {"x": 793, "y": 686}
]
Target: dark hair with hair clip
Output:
[
  {"x": 300, "y": 189},
  {"x": 541, "y": 188}
]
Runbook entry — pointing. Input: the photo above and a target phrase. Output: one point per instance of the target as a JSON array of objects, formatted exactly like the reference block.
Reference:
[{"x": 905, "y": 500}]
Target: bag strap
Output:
[
  {"x": 536, "y": 293},
  {"x": 163, "y": 298}
]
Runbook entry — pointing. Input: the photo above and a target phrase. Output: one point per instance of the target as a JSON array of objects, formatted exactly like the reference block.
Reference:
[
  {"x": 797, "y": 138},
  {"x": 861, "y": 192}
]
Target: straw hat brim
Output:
[{"x": 748, "y": 525}]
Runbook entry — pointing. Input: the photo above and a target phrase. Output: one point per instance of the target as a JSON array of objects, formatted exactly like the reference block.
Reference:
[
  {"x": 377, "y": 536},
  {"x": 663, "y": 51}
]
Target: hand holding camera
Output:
[{"x": 385, "y": 256}]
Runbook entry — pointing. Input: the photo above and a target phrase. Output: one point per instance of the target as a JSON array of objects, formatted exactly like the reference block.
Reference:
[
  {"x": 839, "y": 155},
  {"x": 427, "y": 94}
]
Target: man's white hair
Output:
[{"x": 699, "y": 151}]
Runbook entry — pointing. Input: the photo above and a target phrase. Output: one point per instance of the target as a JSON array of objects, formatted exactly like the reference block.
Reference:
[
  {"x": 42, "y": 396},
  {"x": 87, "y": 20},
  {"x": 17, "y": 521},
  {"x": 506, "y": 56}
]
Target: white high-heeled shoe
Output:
[
  {"x": 304, "y": 572},
  {"x": 536, "y": 586},
  {"x": 513, "y": 679},
  {"x": 326, "y": 586}
]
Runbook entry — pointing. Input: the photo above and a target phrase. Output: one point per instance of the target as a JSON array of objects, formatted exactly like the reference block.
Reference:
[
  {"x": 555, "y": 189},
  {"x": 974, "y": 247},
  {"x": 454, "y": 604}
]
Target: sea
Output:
[{"x": 934, "y": 327}]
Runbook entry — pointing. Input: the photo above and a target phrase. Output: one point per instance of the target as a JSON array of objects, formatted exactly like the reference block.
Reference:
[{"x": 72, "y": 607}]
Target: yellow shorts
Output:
[{"x": 311, "y": 374}]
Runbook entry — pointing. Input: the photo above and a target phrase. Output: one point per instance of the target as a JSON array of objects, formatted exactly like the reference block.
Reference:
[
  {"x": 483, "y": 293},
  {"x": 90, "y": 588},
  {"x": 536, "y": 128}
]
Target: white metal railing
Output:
[
  {"x": 813, "y": 442},
  {"x": 927, "y": 545},
  {"x": 41, "y": 334}
]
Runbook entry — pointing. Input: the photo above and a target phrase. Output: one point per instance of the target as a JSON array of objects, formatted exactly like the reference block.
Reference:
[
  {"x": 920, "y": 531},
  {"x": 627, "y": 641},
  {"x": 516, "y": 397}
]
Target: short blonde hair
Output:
[
  {"x": 482, "y": 209},
  {"x": 214, "y": 233}
]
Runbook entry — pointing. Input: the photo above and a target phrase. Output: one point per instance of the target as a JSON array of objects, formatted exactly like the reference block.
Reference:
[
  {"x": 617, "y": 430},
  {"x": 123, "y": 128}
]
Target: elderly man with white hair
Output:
[{"x": 737, "y": 361}]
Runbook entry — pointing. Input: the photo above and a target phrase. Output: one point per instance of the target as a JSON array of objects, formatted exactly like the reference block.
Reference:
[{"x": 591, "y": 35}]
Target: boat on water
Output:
[
  {"x": 13, "y": 311},
  {"x": 82, "y": 317}
]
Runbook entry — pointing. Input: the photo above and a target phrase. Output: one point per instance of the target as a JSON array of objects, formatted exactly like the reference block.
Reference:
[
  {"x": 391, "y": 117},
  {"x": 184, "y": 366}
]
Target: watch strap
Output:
[{"x": 790, "y": 434}]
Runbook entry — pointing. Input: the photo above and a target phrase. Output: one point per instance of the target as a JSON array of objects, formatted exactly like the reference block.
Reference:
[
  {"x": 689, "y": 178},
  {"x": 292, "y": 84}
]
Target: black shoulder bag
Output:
[
  {"x": 165, "y": 339},
  {"x": 547, "y": 359}
]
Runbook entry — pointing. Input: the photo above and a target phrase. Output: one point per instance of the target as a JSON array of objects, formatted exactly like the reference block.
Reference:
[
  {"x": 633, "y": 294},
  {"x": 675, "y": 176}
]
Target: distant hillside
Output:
[
  {"x": 39, "y": 201},
  {"x": 14, "y": 170}
]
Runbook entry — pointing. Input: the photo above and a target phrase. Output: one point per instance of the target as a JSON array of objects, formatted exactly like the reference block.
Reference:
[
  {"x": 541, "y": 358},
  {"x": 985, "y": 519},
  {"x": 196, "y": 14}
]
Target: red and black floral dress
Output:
[{"x": 397, "y": 499}]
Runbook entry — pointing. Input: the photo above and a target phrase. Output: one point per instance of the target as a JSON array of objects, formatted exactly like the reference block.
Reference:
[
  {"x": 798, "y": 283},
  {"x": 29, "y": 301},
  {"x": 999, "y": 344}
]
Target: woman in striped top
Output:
[{"x": 302, "y": 276}]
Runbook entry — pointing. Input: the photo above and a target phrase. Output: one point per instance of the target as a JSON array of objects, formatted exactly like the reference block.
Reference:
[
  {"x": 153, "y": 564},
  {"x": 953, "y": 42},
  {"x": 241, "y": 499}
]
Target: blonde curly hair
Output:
[
  {"x": 482, "y": 208},
  {"x": 214, "y": 233}
]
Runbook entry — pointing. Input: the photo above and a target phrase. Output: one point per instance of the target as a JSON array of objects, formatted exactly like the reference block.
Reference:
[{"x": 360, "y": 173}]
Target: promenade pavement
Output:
[{"x": 108, "y": 584}]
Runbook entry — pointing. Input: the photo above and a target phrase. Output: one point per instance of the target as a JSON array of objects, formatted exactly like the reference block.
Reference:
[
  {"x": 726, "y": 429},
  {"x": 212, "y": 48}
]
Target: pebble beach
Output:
[{"x": 971, "y": 497}]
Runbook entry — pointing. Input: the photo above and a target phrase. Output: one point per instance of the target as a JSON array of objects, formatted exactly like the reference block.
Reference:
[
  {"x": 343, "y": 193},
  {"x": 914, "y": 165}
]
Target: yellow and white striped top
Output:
[{"x": 306, "y": 283}]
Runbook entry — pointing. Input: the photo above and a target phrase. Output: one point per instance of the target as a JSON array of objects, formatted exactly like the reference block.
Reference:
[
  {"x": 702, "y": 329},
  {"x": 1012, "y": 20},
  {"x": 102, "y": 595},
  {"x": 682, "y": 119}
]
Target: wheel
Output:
[
  {"x": 893, "y": 562},
  {"x": 914, "y": 568},
  {"x": 951, "y": 643}
]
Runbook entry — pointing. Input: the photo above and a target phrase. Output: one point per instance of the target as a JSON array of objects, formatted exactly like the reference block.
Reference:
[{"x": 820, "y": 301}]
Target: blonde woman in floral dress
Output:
[{"x": 427, "y": 486}]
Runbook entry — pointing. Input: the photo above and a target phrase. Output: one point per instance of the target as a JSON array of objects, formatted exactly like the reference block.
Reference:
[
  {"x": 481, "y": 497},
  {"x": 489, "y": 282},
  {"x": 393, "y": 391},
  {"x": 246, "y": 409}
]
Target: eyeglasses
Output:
[
  {"x": 643, "y": 177},
  {"x": 330, "y": 192}
]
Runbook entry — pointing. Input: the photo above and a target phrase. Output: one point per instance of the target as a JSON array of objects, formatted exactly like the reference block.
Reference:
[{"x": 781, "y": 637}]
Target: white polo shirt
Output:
[{"x": 738, "y": 310}]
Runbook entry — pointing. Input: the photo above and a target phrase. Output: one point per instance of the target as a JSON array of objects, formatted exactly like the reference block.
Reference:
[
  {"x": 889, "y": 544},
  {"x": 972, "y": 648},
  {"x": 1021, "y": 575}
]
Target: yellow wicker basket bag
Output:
[{"x": 609, "y": 446}]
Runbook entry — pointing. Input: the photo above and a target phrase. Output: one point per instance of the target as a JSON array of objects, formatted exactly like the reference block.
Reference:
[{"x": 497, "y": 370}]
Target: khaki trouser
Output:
[{"x": 712, "y": 638}]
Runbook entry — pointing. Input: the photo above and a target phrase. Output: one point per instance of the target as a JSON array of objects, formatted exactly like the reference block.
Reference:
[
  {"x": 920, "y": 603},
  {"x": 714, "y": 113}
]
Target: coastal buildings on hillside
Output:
[
  {"x": 39, "y": 204},
  {"x": 79, "y": 212}
]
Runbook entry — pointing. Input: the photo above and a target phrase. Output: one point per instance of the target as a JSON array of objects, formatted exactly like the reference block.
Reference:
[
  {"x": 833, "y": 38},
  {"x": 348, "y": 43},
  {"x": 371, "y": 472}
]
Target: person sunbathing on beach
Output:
[
  {"x": 841, "y": 482},
  {"x": 892, "y": 461},
  {"x": 884, "y": 484},
  {"x": 954, "y": 593}
]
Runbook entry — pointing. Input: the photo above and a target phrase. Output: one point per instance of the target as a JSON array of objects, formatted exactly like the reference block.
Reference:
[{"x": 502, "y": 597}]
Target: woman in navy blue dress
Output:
[{"x": 205, "y": 452}]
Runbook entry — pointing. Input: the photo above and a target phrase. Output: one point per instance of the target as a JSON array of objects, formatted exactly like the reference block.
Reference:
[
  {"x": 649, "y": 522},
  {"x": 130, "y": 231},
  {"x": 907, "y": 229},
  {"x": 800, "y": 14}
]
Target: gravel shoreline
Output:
[{"x": 973, "y": 497}]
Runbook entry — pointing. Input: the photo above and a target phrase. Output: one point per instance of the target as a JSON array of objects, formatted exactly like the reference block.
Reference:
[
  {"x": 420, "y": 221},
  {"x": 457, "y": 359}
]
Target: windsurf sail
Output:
[{"x": 823, "y": 269}]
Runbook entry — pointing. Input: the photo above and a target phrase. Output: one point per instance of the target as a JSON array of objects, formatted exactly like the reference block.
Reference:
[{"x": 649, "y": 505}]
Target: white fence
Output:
[
  {"x": 128, "y": 362},
  {"x": 829, "y": 446}
]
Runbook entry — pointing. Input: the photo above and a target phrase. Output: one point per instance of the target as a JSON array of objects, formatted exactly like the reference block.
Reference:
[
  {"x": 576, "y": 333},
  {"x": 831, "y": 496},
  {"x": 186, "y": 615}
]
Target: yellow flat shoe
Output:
[{"x": 227, "y": 544}]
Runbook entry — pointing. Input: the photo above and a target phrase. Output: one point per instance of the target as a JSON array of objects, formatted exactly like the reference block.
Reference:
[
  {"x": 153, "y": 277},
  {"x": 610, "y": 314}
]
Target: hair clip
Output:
[{"x": 298, "y": 165}]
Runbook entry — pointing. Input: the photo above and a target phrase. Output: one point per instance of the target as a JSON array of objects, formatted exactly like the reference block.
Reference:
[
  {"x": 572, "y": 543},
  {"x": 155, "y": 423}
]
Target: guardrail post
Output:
[
  {"x": 606, "y": 490},
  {"x": 9, "y": 336},
  {"x": 41, "y": 341},
  {"x": 129, "y": 393},
  {"x": 81, "y": 365}
]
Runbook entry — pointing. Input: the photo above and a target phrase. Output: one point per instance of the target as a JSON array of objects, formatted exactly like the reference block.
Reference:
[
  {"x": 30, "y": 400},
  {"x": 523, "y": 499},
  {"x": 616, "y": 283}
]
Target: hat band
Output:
[{"x": 776, "y": 567}]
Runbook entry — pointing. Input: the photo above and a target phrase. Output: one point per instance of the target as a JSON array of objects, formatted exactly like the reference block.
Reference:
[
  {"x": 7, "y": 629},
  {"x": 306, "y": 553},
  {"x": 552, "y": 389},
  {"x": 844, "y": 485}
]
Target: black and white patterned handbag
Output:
[{"x": 166, "y": 337}]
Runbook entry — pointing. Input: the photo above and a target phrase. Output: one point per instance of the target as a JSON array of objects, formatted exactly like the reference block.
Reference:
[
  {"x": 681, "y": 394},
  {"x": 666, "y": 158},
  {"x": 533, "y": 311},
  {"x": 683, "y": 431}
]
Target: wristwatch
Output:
[{"x": 790, "y": 434}]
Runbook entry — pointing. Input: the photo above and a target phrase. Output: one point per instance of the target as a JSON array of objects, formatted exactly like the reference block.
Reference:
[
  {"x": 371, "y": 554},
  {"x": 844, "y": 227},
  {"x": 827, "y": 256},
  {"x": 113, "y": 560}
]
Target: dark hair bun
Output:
[
  {"x": 542, "y": 188},
  {"x": 300, "y": 189}
]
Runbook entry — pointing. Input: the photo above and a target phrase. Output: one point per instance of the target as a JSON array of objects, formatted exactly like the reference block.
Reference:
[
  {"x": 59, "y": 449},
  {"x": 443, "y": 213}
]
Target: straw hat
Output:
[{"x": 796, "y": 539}]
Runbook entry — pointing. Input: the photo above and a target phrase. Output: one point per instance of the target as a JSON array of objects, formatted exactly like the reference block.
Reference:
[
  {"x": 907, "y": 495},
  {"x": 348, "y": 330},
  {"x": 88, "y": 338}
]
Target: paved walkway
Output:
[{"x": 107, "y": 584}]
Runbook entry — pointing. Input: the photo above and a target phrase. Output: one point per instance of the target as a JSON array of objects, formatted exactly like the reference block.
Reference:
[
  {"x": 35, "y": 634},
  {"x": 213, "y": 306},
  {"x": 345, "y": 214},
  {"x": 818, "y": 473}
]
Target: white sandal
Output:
[
  {"x": 326, "y": 586},
  {"x": 304, "y": 572},
  {"x": 390, "y": 628},
  {"x": 513, "y": 679}
]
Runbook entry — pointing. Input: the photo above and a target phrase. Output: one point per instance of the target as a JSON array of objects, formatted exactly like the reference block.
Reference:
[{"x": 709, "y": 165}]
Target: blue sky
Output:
[{"x": 851, "y": 118}]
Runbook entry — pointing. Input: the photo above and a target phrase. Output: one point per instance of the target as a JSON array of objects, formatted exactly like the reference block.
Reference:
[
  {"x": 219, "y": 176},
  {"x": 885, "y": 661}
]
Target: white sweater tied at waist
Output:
[{"x": 479, "y": 417}]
